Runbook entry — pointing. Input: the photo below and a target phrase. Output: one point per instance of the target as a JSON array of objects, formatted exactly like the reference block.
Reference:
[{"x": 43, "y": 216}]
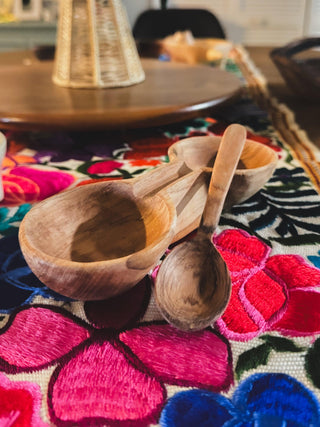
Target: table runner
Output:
[{"x": 117, "y": 362}]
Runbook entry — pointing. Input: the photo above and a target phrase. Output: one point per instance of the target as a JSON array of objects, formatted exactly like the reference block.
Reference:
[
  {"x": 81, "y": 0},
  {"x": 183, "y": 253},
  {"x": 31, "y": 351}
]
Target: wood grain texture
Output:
[
  {"x": 193, "y": 285},
  {"x": 96, "y": 241},
  {"x": 224, "y": 167},
  {"x": 193, "y": 307},
  {"x": 171, "y": 92}
]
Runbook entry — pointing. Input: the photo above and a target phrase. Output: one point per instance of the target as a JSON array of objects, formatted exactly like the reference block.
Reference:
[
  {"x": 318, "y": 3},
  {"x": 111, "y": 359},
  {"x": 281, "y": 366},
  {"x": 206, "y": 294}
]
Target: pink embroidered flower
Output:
[
  {"x": 28, "y": 185},
  {"x": 268, "y": 293},
  {"x": 20, "y": 403},
  {"x": 110, "y": 372}
]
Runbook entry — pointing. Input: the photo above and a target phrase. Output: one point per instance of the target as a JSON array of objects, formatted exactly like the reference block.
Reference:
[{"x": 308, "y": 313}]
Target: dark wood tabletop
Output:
[
  {"x": 307, "y": 113},
  {"x": 171, "y": 92}
]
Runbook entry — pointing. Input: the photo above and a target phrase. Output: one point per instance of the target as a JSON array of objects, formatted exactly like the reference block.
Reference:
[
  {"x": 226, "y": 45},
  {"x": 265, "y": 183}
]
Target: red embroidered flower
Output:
[
  {"x": 149, "y": 146},
  {"x": 109, "y": 376},
  {"x": 20, "y": 403},
  {"x": 104, "y": 167},
  {"x": 268, "y": 293},
  {"x": 147, "y": 162},
  {"x": 94, "y": 180}
]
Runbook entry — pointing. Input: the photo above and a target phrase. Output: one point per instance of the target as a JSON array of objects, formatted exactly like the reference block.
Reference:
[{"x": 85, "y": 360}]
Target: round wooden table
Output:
[{"x": 171, "y": 92}]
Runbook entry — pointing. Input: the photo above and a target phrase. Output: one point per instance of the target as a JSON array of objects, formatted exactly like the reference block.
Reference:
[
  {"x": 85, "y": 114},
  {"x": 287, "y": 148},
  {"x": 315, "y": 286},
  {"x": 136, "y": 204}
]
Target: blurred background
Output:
[
  {"x": 25, "y": 23},
  {"x": 251, "y": 22}
]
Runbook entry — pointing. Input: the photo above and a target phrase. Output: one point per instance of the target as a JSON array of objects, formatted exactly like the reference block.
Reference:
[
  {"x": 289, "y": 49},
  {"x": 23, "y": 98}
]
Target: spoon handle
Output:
[{"x": 226, "y": 162}]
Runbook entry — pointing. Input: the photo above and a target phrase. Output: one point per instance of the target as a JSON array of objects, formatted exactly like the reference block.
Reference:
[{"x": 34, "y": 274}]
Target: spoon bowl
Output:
[
  {"x": 188, "y": 307},
  {"x": 193, "y": 284}
]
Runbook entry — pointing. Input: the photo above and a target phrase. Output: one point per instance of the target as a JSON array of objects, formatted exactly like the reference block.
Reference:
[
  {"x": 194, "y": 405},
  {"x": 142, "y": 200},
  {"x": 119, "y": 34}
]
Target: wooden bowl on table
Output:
[
  {"x": 183, "y": 47},
  {"x": 195, "y": 51}
]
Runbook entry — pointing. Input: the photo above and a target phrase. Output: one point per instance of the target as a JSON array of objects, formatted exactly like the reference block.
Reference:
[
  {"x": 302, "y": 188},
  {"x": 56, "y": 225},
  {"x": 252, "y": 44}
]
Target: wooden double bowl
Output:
[{"x": 98, "y": 240}]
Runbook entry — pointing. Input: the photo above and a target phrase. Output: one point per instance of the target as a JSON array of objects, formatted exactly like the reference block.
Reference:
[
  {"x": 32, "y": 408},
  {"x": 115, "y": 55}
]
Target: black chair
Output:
[{"x": 159, "y": 23}]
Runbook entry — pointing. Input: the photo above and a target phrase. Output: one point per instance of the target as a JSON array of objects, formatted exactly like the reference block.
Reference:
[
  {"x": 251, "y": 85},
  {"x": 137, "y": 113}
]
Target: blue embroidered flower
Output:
[
  {"x": 315, "y": 259},
  {"x": 18, "y": 284},
  {"x": 262, "y": 400}
]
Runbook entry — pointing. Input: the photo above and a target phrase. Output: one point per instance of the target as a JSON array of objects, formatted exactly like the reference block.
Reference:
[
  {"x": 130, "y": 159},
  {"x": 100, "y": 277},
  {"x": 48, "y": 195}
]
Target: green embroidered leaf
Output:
[
  {"x": 281, "y": 344},
  {"x": 9, "y": 225},
  {"x": 312, "y": 363},
  {"x": 83, "y": 168},
  {"x": 3, "y": 213},
  {"x": 289, "y": 158},
  {"x": 139, "y": 172},
  {"x": 124, "y": 173},
  {"x": 21, "y": 212},
  {"x": 253, "y": 358}
]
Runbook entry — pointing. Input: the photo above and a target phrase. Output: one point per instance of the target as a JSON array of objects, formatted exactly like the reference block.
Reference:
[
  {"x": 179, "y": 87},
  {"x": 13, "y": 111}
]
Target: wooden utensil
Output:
[
  {"x": 98, "y": 240},
  {"x": 193, "y": 284}
]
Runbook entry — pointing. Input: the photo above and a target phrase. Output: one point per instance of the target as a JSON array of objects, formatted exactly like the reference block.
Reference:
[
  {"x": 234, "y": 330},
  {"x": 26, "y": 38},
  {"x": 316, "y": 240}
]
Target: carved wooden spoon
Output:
[{"x": 193, "y": 284}]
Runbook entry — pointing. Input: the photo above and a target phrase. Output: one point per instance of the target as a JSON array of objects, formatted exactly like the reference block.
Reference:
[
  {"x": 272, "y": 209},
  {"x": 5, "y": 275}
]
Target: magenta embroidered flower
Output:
[
  {"x": 20, "y": 403},
  {"x": 24, "y": 184},
  {"x": 268, "y": 293},
  {"x": 112, "y": 376}
]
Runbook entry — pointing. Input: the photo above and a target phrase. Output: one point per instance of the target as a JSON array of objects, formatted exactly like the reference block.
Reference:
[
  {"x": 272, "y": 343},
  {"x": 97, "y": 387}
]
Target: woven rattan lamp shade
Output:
[{"x": 95, "y": 47}]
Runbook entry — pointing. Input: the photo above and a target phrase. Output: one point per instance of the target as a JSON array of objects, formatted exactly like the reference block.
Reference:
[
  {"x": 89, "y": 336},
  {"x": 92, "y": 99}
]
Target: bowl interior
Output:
[
  {"x": 200, "y": 151},
  {"x": 97, "y": 223}
]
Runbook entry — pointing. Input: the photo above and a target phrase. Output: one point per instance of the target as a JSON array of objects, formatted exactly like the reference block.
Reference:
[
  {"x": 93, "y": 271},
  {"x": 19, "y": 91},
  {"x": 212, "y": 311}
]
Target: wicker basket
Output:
[
  {"x": 302, "y": 74},
  {"x": 95, "y": 47}
]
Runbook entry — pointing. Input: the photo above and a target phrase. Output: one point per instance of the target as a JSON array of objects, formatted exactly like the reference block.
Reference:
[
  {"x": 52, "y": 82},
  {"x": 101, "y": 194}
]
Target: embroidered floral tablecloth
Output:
[{"x": 117, "y": 362}]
